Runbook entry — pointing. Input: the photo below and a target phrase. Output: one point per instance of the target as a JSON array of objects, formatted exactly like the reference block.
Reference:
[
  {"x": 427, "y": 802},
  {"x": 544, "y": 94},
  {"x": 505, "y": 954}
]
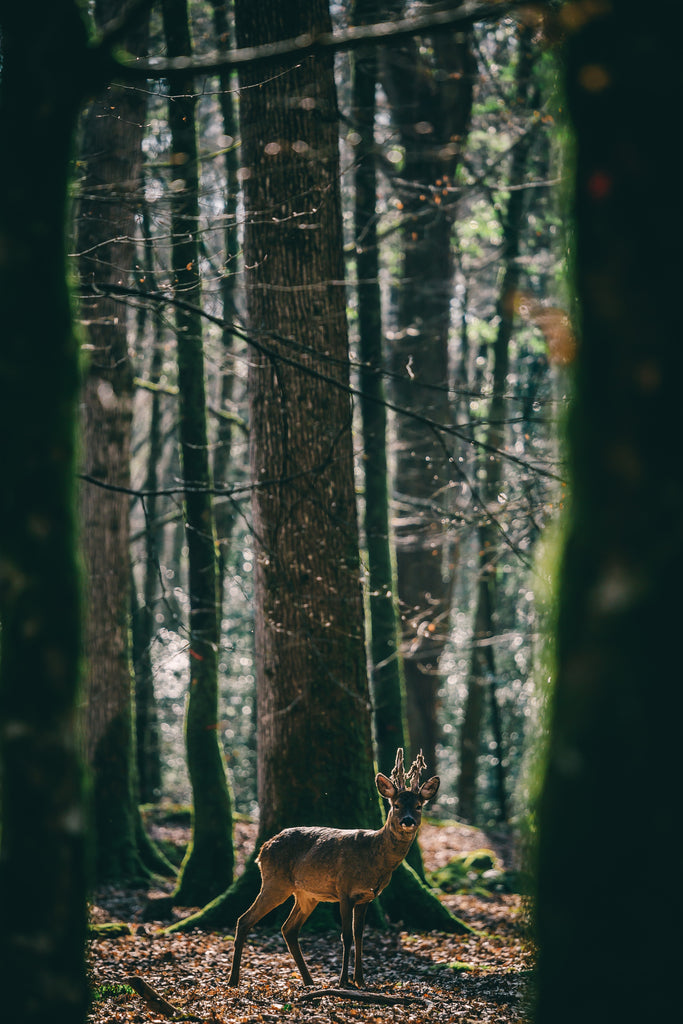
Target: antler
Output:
[
  {"x": 398, "y": 775},
  {"x": 415, "y": 771}
]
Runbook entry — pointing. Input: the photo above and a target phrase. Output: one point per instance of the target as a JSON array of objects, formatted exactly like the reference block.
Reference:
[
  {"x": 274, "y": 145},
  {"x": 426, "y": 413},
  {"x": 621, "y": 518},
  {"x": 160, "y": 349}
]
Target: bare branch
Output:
[
  {"x": 440, "y": 430},
  {"x": 308, "y": 44},
  {"x": 363, "y": 997}
]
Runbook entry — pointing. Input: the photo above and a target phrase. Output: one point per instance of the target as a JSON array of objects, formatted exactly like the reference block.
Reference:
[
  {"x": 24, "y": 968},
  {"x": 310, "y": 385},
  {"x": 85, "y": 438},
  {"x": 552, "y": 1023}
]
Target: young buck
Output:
[{"x": 348, "y": 866}]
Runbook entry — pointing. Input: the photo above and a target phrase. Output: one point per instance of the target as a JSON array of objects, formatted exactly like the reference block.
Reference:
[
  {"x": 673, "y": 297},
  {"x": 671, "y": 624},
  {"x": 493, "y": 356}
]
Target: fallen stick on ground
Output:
[
  {"x": 156, "y": 1002},
  {"x": 362, "y": 996}
]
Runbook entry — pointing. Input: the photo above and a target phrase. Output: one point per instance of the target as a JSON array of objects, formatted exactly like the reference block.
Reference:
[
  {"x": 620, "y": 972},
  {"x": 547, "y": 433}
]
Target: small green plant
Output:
[{"x": 109, "y": 990}]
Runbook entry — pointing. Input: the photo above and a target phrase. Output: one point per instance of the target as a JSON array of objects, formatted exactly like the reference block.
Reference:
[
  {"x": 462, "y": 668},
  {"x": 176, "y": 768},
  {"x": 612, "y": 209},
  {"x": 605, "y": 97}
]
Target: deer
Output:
[{"x": 332, "y": 865}]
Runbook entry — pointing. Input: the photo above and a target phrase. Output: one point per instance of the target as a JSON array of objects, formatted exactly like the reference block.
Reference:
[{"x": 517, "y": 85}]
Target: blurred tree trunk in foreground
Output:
[
  {"x": 42, "y": 856},
  {"x": 609, "y": 823}
]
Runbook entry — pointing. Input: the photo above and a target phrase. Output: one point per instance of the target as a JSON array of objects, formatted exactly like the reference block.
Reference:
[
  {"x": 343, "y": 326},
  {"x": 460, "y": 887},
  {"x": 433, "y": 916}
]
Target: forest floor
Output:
[{"x": 484, "y": 976}]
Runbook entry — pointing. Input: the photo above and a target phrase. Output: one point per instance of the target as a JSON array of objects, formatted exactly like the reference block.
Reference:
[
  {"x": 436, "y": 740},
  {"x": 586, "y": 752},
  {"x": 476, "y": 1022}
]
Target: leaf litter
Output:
[{"x": 484, "y": 976}]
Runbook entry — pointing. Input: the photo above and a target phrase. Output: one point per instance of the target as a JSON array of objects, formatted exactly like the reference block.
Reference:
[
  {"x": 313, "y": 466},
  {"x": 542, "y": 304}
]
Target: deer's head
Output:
[{"x": 405, "y": 794}]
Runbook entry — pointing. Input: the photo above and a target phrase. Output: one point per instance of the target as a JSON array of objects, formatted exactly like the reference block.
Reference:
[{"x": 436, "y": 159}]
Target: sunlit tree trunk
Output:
[
  {"x": 609, "y": 948},
  {"x": 143, "y": 625},
  {"x": 225, "y": 510},
  {"x": 314, "y": 725},
  {"x": 314, "y": 741}
]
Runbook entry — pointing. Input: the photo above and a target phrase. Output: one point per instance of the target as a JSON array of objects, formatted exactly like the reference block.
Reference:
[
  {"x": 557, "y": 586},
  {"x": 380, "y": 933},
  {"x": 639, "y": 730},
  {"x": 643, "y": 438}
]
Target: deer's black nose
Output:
[{"x": 408, "y": 821}]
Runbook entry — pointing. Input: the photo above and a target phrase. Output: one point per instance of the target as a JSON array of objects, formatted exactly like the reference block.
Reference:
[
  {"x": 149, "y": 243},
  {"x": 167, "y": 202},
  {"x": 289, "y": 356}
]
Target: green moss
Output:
[
  {"x": 477, "y": 872},
  {"x": 109, "y": 930},
  {"x": 408, "y": 900}
]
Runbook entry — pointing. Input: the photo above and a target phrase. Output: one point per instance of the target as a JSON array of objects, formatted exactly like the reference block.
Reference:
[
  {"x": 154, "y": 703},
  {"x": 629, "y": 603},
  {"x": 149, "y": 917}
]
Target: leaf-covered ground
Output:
[{"x": 481, "y": 977}]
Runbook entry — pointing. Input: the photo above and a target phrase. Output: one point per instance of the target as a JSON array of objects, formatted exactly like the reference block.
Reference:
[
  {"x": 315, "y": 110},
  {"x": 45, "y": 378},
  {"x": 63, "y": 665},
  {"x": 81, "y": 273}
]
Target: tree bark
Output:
[
  {"x": 225, "y": 510},
  {"x": 111, "y": 162},
  {"x": 42, "y": 852},
  {"x": 613, "y": 769},
  {"x": 315, "y": 752},
  {"x": 148, "y": 743},
  {"x": 314, "y": 726},
  {"x": 208, "y": 866}
]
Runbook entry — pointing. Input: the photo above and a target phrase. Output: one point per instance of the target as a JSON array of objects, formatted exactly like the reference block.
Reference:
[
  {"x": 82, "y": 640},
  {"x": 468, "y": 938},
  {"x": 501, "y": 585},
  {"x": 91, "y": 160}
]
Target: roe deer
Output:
[{"x": 348, "y": 866}]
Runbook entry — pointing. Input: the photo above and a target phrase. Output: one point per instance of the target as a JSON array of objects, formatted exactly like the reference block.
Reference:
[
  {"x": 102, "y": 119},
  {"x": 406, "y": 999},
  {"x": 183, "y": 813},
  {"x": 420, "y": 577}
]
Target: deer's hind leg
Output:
[
  {"x": 359, "y": 912},
  {"x": 304, "y": 905},
  {"x": 262, "y": 905}
]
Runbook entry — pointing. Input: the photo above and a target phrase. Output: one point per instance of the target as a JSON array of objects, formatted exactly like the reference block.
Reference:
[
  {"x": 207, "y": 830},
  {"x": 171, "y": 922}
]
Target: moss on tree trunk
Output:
[
  {"x": 609, "y": 950},
  {"x": 42, "y": 858},
  {"x": 208, "y": 866}
]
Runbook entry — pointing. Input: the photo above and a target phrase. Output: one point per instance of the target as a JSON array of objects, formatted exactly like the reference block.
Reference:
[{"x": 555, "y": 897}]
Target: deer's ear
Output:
[
  {"x": 385, "y": 786},
  {"x": 430, "y": 788}
]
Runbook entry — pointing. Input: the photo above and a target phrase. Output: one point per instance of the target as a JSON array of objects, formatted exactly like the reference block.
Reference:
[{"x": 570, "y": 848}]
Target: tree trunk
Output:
[
  {"x": 111, "y": 158},
  {"x": 430, "y": 107},
  {"x": 613, "y": 772},
  {"x": 225, "y": 510},
  {"x": 314, "y": 727},
  {"x": 315, "y": 752},
  {"x": 42, "y": 853},
  {"x": 148, "y": 743},
  {"x": 208, "y": 866},
  {"x": 315, "y": 762}
]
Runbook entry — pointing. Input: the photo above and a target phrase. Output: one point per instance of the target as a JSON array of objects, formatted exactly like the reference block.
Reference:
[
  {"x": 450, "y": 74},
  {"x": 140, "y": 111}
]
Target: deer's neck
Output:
[{"x": 392, "y": 846}]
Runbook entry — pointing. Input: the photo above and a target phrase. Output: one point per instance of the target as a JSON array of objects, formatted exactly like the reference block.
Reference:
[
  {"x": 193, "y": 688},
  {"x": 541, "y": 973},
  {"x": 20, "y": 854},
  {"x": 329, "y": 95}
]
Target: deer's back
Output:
[{"x": 321, "y": 861}]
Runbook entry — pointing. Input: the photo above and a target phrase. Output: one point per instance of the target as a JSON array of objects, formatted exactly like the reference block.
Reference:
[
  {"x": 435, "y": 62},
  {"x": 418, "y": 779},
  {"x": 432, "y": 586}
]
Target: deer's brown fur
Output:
[{"x": 348, "y": 866}]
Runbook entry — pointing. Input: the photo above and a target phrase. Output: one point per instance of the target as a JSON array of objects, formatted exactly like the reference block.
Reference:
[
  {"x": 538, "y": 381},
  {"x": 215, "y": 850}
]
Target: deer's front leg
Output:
[
  {"x": 346, "y": 909},
  {"x": 359, "y": 912}
]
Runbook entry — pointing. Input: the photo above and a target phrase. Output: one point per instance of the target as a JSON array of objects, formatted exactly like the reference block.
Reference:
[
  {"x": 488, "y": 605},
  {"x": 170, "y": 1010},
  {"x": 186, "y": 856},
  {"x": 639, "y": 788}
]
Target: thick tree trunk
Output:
[
  {"x": 111, "y": 158},
  {"x": 314, "y": 726},
  {"x": 208, "y": 866},
  {"x": 42, "y": 854},
  {"x": 608, "y": 950},
  {"x": 315, "y": 752}
]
